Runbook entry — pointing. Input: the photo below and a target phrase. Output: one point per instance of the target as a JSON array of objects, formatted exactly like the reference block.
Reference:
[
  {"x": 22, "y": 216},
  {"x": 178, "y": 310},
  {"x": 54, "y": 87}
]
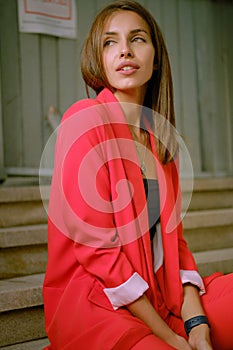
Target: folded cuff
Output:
[
  {"x": 127, "y": 292},
  {"x": 193, "y": 277}
]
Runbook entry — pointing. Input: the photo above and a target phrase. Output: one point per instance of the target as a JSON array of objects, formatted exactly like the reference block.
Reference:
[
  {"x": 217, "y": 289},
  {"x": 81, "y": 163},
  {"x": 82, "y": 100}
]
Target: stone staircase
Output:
[
  {"x": 23, "y": 257},
  {"x": 208, "y": 228},
  {"x": 208, "y": 225}
]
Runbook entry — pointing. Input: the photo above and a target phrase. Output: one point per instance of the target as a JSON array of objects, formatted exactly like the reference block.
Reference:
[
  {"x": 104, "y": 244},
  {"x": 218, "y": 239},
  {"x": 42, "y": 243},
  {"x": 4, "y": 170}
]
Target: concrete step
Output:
[
  {"x": 21, "y": 310},
  {"x": 215, "y": 260},
  {"x": 31, "y": 345},
  {"x": 22, "y": 206},
  {"x": 21, "y": 292},
  {"x": 209, "y": 193},
  {"x": 23, "y": 250},
  {"x": 23, "y": 235},
  {"x": 209, "y": 229}
]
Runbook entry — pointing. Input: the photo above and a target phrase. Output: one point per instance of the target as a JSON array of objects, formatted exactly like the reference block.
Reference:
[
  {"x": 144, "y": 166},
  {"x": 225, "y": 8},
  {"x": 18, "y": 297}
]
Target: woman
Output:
[{"x": 119, "y": 274}]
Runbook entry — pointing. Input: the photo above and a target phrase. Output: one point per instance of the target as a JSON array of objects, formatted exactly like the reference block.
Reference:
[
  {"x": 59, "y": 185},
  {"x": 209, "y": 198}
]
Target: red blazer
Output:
[{"x": 98, "y": 233}]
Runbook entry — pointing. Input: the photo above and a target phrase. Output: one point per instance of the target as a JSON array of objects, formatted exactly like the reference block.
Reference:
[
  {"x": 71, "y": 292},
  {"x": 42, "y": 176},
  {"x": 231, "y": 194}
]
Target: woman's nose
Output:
[
  {"x": 126, "y": 53},
  {"x": 126, "y": 50}
]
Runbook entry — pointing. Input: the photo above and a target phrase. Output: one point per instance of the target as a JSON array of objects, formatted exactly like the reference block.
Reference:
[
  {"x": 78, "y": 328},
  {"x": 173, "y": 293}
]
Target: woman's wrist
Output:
[
  {"x": 194, "y": 322},
  {"x": 199, "y": 337}
]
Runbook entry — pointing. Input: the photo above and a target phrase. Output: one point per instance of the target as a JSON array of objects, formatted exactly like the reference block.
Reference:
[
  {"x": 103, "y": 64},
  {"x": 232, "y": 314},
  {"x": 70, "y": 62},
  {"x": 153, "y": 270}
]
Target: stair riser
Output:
[
  {"x": 25, "y": 213},
  {"x": 210, "y": 200},
  {"x": 21, "y": 261},
  {"x": 209, "y": 238},
  {"x": 21, "y": 326},
  {"x": 207, "y": 268},
  {"x": 19, "y": 236}
]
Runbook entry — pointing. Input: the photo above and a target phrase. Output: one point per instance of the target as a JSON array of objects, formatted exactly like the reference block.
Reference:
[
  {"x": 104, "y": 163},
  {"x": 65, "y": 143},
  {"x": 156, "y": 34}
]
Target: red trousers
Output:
[{"x": 218, "y": 305}]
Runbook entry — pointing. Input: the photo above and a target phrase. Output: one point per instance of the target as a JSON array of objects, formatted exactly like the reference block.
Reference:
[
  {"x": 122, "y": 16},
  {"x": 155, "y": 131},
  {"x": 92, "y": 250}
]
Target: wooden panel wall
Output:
[
  {"x": 214, "y": 73},
  {"x": 2, "y": 170},
  {"x": 199, "y": 39},
  {"x": 37, "y": 71},
  {"x": 40, "y": 70}
]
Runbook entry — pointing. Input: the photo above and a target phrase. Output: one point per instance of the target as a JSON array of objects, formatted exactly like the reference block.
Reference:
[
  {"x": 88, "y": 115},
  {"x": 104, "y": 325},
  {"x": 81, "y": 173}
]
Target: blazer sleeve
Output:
[{"x": 87, "y": 215}]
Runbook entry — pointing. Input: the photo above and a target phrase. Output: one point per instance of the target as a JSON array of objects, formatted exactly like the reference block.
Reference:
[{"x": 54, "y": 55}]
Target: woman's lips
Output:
[{"x": 127, "y": 67}]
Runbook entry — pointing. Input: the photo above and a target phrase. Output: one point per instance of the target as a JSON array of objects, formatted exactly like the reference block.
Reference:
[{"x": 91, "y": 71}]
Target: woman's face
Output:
[{"x": 128, "y": 53}]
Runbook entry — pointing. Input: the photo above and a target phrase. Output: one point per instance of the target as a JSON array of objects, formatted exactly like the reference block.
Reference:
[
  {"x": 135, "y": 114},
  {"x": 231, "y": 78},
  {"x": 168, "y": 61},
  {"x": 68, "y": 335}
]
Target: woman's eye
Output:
[
  {"x": 108, "y": 42},
  {"x": 139, "y": 39}
]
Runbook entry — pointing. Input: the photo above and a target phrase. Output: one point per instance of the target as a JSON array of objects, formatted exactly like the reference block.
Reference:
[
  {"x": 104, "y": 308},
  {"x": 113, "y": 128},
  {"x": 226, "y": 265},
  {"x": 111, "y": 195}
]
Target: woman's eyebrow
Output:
[
  {"x": 110, "y": 33},
  {"x": 139, "y": 30},
  {"x": 133, "y": 31}
]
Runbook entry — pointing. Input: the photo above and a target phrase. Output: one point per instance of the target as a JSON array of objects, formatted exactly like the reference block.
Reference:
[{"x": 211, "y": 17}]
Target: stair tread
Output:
[
  {"x": 27, "y": 193},
  {"x": 208, "y": 184},
  {"x": 23, "y": 235},
  {"x": 215, "y": 184},
  {"x": 21, "y": 292},
  {"x": 214, "y": 255},
  {"x": 30, "y": 345},
  {"x": 208, "y": 218},
  {"x": 24, "y": 193}
]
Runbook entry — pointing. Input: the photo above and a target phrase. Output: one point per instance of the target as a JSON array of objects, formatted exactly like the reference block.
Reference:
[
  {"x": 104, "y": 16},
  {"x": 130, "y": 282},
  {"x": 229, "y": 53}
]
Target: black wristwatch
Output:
[{"x": 195, "y": 321}]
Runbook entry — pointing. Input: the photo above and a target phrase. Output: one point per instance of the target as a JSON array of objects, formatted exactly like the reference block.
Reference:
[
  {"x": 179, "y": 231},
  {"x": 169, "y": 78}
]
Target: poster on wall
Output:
[{"x": 53, "y": 17}]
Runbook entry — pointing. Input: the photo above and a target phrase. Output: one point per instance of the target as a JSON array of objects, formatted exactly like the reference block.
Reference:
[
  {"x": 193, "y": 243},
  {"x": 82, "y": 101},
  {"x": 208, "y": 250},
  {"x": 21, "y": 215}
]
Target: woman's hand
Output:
[
  {"x": 199, "y": 338},
  {"x": 178, "y": 342},
  {"x": 143, "y": 309}
]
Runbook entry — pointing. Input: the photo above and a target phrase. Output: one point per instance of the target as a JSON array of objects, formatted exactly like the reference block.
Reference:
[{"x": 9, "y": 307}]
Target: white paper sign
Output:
[{"x": 54, "y": 17}]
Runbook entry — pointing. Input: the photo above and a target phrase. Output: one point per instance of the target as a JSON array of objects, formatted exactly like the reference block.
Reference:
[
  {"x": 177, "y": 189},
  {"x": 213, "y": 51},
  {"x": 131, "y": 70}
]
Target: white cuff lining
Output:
[
  {"x": 127, "y": 292},
  {"x": 193, "y": 277}
]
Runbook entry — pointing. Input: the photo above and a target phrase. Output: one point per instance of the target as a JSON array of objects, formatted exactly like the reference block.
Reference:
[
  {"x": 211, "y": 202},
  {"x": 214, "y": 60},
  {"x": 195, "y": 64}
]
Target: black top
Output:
[{"x": 153, "y": 204}]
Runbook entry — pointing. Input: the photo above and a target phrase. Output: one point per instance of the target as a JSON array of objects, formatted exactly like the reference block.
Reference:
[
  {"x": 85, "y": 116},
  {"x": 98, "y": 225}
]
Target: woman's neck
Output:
[{"x": 131, "y": 103}]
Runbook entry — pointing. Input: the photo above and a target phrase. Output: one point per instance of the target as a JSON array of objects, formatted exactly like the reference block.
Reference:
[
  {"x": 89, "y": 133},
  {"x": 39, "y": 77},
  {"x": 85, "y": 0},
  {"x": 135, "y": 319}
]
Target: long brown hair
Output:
[{"x": 159, "y": 95}]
